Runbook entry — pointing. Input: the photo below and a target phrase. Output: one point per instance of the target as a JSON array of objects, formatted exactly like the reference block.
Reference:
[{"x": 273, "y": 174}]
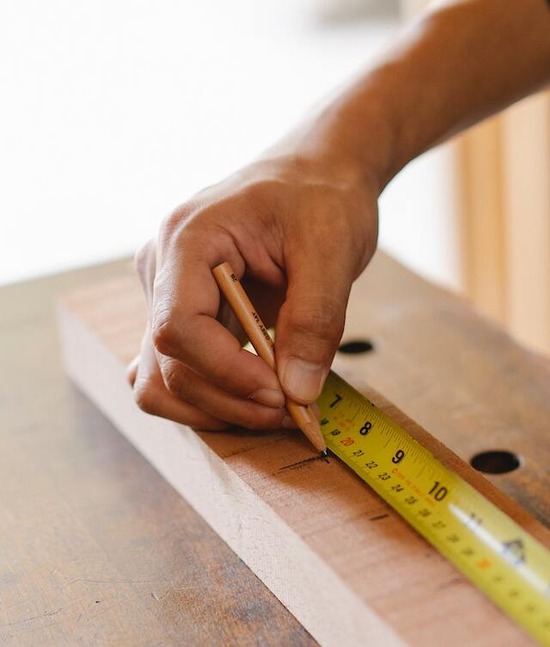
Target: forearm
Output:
[{"x": 462, "y": 62}]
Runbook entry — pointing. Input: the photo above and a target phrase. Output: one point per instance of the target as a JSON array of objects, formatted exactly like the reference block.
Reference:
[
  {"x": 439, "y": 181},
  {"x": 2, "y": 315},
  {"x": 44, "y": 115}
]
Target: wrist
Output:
[
  {"x": 356, "y": 130},
  {"x": 343, "y": 147}
]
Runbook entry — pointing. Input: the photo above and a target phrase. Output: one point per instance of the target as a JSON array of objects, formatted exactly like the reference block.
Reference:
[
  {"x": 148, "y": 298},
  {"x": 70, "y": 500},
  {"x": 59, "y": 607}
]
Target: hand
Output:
[
  {"x": 298, "y": 232},
  {"x": 301, "y": 224}
]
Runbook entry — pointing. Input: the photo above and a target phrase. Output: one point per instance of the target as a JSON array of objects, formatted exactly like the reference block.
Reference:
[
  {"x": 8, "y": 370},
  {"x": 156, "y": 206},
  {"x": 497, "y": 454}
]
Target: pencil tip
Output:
[{"x": 324, "y": 453}]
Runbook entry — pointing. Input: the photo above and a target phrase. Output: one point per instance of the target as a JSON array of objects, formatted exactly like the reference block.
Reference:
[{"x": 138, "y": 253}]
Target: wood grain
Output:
[
  {"x": 326, "y": 545},
  {"x": 95, "y": 547}
]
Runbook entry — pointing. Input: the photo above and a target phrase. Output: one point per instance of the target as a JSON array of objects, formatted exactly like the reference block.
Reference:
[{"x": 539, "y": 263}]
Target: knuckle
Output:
[
  {"x": 253, "y": 417},
  {"x": 323, "y": 321},
  {"x": 175, "y": 382},
  {"x": 164, "y": 333},
  {"x": 173, "y": 222},
  {"x": 145, "y": 395},
  {"x": 172, "y": 380}
]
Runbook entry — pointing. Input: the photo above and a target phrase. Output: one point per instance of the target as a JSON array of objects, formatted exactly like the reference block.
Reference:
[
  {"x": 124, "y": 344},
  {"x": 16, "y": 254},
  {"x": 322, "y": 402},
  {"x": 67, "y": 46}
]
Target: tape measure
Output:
[{"x": 491, "y": 550}]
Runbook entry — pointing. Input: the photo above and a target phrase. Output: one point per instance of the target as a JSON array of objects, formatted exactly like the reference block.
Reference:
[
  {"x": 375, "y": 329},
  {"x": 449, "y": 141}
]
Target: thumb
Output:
[{"x": 310, "y": 326}]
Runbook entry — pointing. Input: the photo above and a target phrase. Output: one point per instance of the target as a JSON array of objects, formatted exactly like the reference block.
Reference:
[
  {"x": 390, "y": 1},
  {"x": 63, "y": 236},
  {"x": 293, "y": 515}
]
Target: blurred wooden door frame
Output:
[
  {"x": 503, "y": 182},
  {"x": 503, "y": 170}
]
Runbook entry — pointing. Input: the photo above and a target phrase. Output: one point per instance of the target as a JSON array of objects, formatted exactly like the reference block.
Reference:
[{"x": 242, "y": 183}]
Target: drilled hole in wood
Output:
[
  {"x": 495, "y": 462},
  {"x": 356, "y": 347}
]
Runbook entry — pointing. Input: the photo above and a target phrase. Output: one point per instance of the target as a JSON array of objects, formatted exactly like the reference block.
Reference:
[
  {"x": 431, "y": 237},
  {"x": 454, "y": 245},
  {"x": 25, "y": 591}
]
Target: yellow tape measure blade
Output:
[{"x": 490, "y": 549}]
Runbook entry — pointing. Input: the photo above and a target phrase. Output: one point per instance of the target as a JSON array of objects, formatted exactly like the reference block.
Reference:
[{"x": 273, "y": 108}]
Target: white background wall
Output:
[{"x": 113, "y": 112}]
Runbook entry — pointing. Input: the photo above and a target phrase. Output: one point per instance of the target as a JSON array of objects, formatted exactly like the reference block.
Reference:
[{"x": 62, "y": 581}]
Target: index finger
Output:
[{"x": 186, "y": 301}]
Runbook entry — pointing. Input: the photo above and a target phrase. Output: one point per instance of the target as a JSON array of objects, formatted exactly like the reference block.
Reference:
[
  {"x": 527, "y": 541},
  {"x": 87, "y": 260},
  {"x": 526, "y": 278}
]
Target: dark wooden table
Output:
[{"x": 96, "y": 549}]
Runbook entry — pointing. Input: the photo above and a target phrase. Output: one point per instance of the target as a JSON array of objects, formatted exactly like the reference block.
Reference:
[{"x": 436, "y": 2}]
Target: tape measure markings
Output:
[{"x": 488, "y": 547}]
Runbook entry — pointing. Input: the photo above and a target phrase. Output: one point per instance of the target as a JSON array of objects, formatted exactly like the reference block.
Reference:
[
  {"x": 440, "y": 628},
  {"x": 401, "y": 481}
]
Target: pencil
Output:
[{"x": 260, "y": 338}]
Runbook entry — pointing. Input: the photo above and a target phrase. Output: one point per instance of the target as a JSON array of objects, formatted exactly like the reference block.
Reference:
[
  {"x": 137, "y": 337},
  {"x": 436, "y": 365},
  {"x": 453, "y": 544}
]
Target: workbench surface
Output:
[{"x": 98, "y": 549}]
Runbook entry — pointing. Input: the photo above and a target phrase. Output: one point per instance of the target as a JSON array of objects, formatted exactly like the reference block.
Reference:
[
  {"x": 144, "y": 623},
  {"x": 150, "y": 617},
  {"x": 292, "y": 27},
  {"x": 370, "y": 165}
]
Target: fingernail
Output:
[
  {"x": 269, "y": 397},
  {"x": 302, "y": 380}
]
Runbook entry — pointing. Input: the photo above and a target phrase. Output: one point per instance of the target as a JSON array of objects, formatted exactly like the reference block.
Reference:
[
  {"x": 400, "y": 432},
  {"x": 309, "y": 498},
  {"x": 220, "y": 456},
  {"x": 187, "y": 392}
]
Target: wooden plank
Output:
[
  {"x": 455, "y": 373},
  {"x": 347, "y": 567}
]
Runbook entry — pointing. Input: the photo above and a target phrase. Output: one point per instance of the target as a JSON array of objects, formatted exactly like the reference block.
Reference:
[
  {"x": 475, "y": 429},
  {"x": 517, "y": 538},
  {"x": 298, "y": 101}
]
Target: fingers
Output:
[
  {"x": 311, "y": 321},
  {"x": 188, "y": 387},
  {"x": 188, "y": 341},
  {"x": 184, "y": 327},
  {"x": 153, "y": 397},
  {"x": 302, "y": 242},
  {"x": 178, "y": 394}
]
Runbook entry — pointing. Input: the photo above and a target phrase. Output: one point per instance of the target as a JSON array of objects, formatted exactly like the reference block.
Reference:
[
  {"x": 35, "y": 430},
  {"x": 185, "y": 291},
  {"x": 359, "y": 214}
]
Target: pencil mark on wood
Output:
[
  {"x": 46, "y": 614},
  {"x": 453, "y": 582},
  {"x": 242, "y": 450},
  {"x": 306, "y": 461},
  {"x": 378, "y": 517}
]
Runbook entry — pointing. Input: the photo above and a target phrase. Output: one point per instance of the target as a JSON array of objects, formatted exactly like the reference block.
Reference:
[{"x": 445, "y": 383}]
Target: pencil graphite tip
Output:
[{"x": 313, "y": 431}]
